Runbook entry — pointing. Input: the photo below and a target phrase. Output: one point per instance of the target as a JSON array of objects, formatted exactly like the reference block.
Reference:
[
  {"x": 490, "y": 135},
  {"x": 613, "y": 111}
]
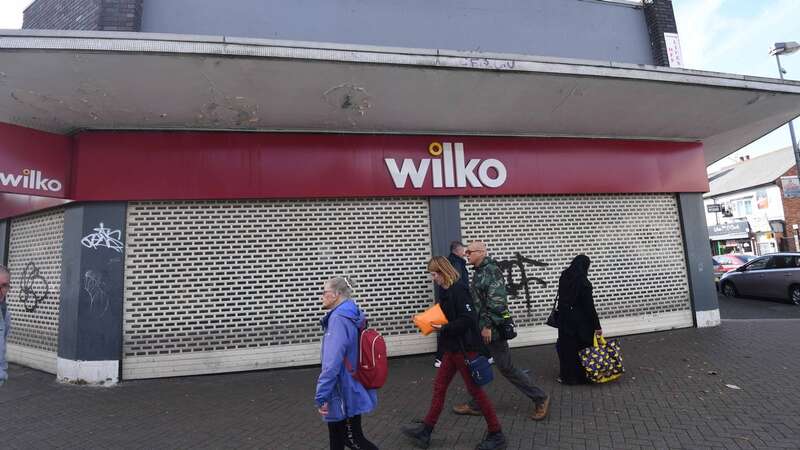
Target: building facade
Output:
[
  {"x": 749, "y": 206},
  {"x": 173, "y": 203}
]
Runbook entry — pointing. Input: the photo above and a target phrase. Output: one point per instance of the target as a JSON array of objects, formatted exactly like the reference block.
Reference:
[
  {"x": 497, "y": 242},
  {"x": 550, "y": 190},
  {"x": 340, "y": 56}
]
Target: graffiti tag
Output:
[
  {"x": 104, "y": 237},
  {"x": 519, "y": 262},
  {"x": 34, "y": 287},
  {"x": 95, "y": 286}
]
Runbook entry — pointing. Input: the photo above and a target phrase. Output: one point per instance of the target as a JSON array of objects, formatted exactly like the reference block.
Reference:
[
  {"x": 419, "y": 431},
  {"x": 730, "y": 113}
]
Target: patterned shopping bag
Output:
[{"x": 602, "y": 361}]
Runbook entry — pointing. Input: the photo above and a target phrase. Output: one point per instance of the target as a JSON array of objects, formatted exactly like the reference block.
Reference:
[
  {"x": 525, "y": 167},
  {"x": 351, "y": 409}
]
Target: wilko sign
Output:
[
  {"x": 229, "y": 165},
  {"x": 34, "y": 163},
  {"x": 448, "y": 168},
  {"x": 31, "y": 179}
]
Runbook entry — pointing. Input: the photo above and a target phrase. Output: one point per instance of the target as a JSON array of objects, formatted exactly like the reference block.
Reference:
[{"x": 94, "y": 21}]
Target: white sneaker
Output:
[
  {"x": 437, "y": 363},
  {"x": 491, "y": 360}
]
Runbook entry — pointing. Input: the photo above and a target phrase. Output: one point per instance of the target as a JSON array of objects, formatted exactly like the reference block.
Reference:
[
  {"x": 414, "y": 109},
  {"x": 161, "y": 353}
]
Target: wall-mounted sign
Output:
[
  {"x": 714, "y": 208},
  {"x": 791, "y": 187},
  {"x": 674, "y": 53},
  {"x": 33, "y": 162},
  {"x": 762, "y": 199},
  {"x": 217, "y": 165}
]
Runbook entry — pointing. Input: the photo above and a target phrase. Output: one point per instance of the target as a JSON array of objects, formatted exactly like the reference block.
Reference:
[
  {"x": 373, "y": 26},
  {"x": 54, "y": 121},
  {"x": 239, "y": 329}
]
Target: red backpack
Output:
[{"x": 373, "y": 364}]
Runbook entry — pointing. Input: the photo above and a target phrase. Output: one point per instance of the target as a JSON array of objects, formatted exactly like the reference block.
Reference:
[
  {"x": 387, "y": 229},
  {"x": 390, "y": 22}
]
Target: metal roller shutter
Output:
[
  {"x": 221, "y": 286},
  {"x": 634, "y": 241},
  {"x": 34, "y": 259}
]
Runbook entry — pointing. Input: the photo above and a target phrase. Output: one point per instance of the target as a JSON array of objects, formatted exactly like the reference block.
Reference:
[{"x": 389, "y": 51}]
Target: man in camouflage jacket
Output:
[
  {"x": 491, "y": 300},
  {"x": 489, "y": 295}
]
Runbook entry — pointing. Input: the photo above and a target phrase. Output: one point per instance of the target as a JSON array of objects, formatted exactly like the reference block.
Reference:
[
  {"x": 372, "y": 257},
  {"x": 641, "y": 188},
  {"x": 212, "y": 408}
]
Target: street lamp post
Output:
[{"x": 787, "y": 48}]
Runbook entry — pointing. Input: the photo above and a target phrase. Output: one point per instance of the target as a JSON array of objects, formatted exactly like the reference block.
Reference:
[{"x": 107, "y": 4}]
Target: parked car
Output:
[
  {"x": 776, "y": 275},
  {"x": 726, "y": 263}
]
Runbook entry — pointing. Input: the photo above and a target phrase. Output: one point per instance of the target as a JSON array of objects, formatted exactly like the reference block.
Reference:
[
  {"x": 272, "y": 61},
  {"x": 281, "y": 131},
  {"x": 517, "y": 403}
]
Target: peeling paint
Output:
[
  {"x": 353, "y": 100},
  {"x": 754, "y": 99},
  {"x": 225, "y": 109}
]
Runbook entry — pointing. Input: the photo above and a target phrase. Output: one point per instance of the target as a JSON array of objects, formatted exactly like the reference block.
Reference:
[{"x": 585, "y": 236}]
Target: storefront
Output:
[
  {"x": 182, "y": 242},
  {"x": 731, "y": 237}
]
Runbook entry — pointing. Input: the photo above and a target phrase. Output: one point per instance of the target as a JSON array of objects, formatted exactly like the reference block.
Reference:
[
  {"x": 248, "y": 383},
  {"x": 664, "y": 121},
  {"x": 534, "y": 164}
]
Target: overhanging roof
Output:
[
  {"x": 64, "y": 82},
  {"x": 759, "y": 171}
]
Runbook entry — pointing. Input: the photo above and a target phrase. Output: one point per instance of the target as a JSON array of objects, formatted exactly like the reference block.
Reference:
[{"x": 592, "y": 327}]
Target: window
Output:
[
  {"x": 758, "y": 264},
  {"x": 782, "y": 262},
  {"x": 742, "y": 207}
]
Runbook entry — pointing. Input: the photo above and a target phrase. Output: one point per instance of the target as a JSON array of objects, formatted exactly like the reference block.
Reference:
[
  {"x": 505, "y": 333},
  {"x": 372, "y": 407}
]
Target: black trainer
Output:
[
  {"x": 493, "y": 441},
  {"x": 420, "y": 434}
]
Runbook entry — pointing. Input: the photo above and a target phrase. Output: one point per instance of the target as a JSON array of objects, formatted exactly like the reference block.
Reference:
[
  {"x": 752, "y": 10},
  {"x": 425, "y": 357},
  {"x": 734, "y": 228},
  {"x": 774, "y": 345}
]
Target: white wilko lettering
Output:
[{"x": 452, "y": 170}]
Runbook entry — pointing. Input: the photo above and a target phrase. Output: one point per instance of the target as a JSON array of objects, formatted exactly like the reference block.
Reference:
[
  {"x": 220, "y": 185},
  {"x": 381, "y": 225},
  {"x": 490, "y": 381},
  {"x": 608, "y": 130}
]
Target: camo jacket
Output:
[{"x": 489, "y": 293}]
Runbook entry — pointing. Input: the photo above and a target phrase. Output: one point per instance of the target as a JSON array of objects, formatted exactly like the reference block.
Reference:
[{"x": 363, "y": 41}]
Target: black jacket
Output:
[
  {"x": 462, "y": 326},
  {"x": 461, "y": 266},
  {"x": 579, "y": 319}
]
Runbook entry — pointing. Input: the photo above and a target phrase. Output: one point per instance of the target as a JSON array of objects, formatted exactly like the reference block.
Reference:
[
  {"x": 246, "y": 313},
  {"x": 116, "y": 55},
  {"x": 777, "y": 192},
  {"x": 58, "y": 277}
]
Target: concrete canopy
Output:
[{"x": 64, "y": 82}]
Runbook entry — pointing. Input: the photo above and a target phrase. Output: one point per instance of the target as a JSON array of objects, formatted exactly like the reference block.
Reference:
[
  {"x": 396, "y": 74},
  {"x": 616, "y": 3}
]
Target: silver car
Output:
[{"x": 776, "y": 275}]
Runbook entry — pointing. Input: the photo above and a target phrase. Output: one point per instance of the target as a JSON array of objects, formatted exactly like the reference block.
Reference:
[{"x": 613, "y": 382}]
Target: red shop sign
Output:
[
  {"x": 227, "y": 165},
  {"x": 33, "y": 162}
]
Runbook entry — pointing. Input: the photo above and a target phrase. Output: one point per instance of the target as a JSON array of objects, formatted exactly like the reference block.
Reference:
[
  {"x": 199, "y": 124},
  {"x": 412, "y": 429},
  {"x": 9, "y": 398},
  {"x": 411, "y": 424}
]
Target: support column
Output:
[
  {"x": 445, "y": 224},
  {"x": 5, "y": 235},
  {"x": 705, "y": 304},
  {"x": 90, "y": 318}
]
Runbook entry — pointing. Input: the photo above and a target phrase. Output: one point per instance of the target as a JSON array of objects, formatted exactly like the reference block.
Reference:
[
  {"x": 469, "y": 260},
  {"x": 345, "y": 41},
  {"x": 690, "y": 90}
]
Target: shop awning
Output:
[{"x": 63, "y": 82}]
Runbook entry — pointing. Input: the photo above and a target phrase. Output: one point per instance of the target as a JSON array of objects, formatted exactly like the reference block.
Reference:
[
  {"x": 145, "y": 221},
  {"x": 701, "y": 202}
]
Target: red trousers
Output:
[{"x": 452, "y": 362}]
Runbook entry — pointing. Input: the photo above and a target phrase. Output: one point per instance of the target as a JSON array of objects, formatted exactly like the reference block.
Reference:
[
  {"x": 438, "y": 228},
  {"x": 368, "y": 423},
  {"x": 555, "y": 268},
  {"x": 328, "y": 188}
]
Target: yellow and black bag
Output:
[{"x": 602, "y": 361}]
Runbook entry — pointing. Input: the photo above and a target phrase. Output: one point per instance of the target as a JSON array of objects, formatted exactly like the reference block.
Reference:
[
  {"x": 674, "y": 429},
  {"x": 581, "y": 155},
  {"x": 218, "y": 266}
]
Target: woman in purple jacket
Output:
[{"x": 341, "y": 399}]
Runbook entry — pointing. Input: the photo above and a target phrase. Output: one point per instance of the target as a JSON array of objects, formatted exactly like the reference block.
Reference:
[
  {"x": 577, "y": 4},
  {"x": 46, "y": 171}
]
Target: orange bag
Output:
[{"x": 432, "y": 315}]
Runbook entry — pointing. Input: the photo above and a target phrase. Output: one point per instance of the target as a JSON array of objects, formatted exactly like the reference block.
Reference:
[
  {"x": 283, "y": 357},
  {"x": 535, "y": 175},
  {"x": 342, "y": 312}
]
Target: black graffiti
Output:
[
  {"x": 519, "y": 262},
  {"x": 34, "y": 287}
]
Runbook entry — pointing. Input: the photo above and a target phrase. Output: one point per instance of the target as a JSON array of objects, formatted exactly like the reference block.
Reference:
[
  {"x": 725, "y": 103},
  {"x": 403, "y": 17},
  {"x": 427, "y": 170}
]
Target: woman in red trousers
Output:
[{"x": 459, "y": 339}]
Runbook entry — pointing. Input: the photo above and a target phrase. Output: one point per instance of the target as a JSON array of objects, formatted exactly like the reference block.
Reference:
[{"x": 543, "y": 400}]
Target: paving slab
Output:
[{"x": 729, "y": 387}]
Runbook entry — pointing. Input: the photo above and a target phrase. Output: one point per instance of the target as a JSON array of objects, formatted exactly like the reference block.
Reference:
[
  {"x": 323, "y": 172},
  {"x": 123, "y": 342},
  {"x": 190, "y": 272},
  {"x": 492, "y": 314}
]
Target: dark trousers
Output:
[
  {"x": 348, "y": 433},
  {"x": 452, "y": 363},
  {"x": 502, "y": 359},
  {"x": 570, "y": 367}
]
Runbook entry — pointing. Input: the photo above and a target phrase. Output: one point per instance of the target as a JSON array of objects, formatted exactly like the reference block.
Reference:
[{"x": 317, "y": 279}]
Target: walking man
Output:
[
  {"x": 456, "y": 258},
  {"x": 489, "y": 294},
  {"x": 5, "y": 322}
]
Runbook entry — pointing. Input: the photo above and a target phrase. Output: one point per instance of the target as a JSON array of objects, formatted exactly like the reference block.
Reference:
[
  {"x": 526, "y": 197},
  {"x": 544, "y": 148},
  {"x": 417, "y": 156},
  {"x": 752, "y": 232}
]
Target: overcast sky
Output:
[{"x": 731, "y": 36}]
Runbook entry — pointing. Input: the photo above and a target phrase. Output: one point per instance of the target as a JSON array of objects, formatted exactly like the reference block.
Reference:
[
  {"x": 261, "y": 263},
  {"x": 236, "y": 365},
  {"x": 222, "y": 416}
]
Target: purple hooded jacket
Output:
[{"x": 345, "y": 396}]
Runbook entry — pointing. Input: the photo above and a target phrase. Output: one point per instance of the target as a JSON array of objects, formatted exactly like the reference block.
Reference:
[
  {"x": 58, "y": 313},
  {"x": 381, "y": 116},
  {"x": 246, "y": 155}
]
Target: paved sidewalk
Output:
[{"x": 673, "y": 396}]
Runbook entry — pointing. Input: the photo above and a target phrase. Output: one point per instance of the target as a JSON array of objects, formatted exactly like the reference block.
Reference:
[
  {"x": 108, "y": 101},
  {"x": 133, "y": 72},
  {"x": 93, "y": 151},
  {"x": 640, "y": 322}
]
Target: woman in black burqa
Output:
[{"x": 577, "y": 319}]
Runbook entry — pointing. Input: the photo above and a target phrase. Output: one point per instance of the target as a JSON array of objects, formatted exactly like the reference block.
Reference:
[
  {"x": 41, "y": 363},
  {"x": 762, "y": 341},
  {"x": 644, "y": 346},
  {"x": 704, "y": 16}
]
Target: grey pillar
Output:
[
  {"x": 5, "y": 235},
  {"x": 445, "y": 224},
  {"x": 90, "y": 317},
  {"x": 698, "y": 260}
]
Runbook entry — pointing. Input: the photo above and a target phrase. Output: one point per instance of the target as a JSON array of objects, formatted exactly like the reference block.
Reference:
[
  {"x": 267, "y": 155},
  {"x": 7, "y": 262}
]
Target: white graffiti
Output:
[
  {"x": 104, "y": 237},
  {"x": 95, "y": 286}
]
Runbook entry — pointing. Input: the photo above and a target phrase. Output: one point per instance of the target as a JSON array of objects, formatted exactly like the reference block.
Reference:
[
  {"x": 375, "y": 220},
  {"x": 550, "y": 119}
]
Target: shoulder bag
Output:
[{"x": 552, "y": 319}]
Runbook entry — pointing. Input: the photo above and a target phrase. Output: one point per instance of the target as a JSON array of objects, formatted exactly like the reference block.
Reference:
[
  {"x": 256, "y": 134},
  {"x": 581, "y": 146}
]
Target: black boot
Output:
[
  {"x": 493, "y": 441},
  {"x": 420, "y": 434}
]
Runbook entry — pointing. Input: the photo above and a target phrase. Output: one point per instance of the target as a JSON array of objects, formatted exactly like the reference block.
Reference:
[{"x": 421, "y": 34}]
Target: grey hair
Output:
[
  {"x": 4, "y": 269},
  {"x": 341, "y": 286}
]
